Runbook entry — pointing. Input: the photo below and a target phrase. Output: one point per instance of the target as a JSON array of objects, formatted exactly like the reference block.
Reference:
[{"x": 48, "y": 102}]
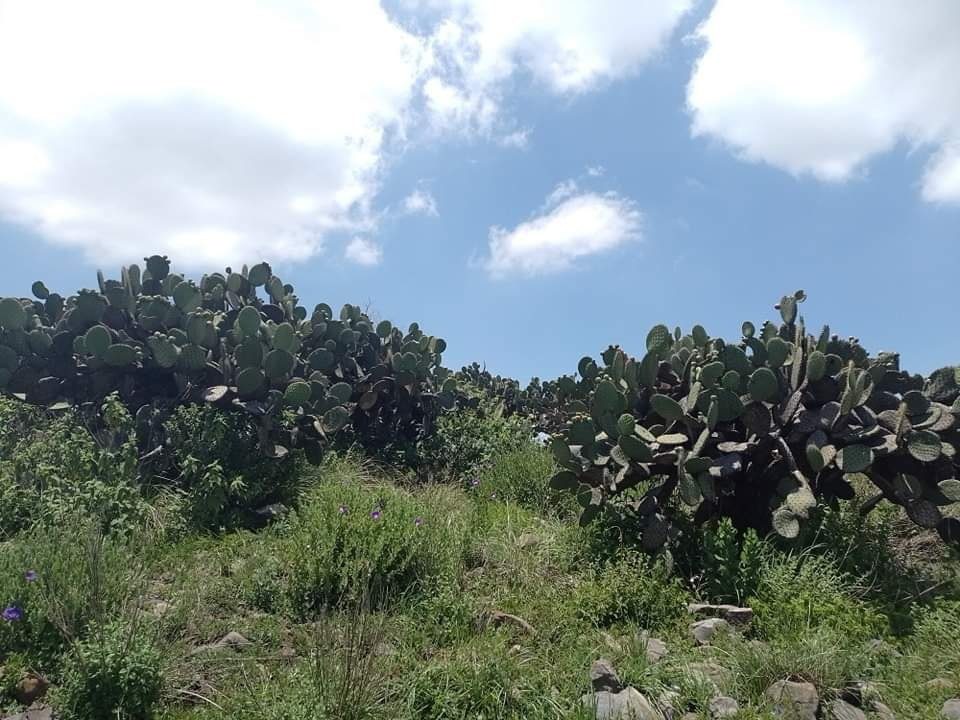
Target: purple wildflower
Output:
[
  {"x": 343, "y": 510},
  {"x": 31, "y": 576},
  {"x": 475, "y": 482},
  {"x": 418, "y": 522},
  {"x": 376, "y": 514},
  {"x": 13, "y": 614}
]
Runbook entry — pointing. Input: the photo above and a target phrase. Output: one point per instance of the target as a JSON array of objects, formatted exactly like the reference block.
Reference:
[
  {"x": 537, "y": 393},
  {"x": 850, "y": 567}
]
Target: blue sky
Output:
[{"x": 700, "y": 166}]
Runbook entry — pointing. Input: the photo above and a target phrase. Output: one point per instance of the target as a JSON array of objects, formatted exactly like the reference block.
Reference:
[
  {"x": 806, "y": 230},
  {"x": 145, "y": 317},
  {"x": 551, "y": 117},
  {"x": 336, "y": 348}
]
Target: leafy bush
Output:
[
  {"x": 114, "y": 673},
  {"x": 723, "y": 564},
  {"x": 467, "y": 441},
  {"x": 797, "y": 595},
  {"x": 53, "y": 469},
  {"x": 633, "y": 589},
  {"x": 349, "y": 538},
  {"x": 221, "y": 469}
]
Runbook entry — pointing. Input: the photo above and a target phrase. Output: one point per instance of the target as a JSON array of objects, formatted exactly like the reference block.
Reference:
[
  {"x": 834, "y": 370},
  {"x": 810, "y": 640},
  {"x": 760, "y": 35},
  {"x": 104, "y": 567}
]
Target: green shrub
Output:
[
  {"x": 797, "y": 595},
  {"x": 113, "y": 673},
  {"x": 723, "y": 563},
  {"x": 221, "y": 468},
  {"x": 521, "y": 476},
  {"x": 633, "y": 589},
  {"x": 62, "y": 580},
  {"x": 348, "y": 538},
  {"x": 469, "y": 440},
  {"x": 53, "y": 470}
]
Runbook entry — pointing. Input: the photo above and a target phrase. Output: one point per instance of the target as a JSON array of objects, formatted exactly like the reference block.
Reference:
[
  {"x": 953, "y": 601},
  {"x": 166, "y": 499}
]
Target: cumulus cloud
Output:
[
  {"x": 568, "y": 46},
  {"x": 420, "y": 202},
  {"x": 363, "y": 252},
  {"x": 223, "y": 131},
  {"x": 819, "y": 87},
  {"x": 572, "y": 225},
  {"x": 229, "y": 130}
]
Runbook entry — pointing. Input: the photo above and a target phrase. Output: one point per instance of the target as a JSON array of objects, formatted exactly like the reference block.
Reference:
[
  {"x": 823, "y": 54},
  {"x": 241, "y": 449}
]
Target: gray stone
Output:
[
  {"x": 271, "y": 511},
  {"x": 655, "y": 650},
  {"x": 709, "y": 673},
  {"x": 737, "y": 616},
  {"x": 628, "y": 704},
  {"x": 723, "y": 707},
  {"x": 794, "y": 700},
  {"x": 860, "y": 693},
  {"x": 705, "y": 630},
  {"x": 842, "y": 710},
  {"x": 951, "y": 710},
  {"x": 231, "y": 641},
  {"x": 882, "y": 712},
  {"x": 604, "y": 677}
]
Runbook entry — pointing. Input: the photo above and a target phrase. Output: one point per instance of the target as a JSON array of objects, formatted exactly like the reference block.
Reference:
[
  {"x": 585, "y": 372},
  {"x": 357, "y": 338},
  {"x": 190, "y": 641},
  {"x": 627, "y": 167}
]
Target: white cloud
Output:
[
  {"x": 596, "y": 171},
  {"x": 221, "y": 132},
  {"x": 562, "y": 191},
  {"x": 363, "y": 252},
  {"x": 568, "y": 46},
  {"x": 569, "y": 228},
  {"x": 420, "y": 202},
  {"x": 227, "y": 131},
  {"x": 819, "y": 86}
]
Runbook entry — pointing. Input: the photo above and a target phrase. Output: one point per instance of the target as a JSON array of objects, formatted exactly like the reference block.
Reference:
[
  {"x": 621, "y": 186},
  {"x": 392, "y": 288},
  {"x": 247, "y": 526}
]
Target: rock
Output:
[
  {"x": 709, "y": 673},
  {"x": 498, "y": 619},
  {"x": 271, "y": 512},
  {"x": 878, "y": 646},
  {"x": 288, "y": 653},
  {"x": 723, "y": 707},
  {"x": 528, "y": 540},
  {"x": 737, "y": 616},
  {"x": 629, "y": 704},
  {"x": 882, "y": 712},
  {"x": 232, "y": 640},
  {"x": 794, "y": 700},
  {"x": 951, "y": 710},
  {"x": 37, "y": 713},
  {"x": 604, "y": 677},
  {"x": 667, "y": 702},
  {"x": 704, "y": 630},
  {"x": 859, "y": 693},
  {"x": 842, "y": 710},
  {"x": 938, "y": 684},
  {"x": 30, "y": 689},
  {"x": 655, "y": 650}
]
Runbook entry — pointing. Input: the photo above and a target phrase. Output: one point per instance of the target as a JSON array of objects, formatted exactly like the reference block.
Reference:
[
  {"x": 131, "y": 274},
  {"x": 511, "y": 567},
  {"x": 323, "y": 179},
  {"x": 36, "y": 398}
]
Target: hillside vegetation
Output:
[{"x": 215, "y": 503}]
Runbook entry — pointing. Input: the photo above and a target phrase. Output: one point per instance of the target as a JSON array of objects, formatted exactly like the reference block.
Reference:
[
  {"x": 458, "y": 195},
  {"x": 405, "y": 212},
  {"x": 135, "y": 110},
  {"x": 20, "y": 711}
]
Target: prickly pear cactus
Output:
[
  {"x": 760, "y": 429},
  {"x": 239, "y": 340}
]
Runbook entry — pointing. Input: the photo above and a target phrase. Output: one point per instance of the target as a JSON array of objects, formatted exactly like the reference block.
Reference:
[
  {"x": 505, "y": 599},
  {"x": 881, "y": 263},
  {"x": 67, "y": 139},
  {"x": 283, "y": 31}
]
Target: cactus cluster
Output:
[
  {"x": 239, "y": 340},
  {"x": 760, "y": 430}
]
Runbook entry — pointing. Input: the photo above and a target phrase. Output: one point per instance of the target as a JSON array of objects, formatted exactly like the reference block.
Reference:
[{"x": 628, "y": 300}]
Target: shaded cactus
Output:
[
  {"x": 760, "y": 430},
  {"x": 159, "y": 340}
]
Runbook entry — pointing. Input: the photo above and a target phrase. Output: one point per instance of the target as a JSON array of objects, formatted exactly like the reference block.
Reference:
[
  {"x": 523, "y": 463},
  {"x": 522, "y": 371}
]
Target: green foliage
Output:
[
  {"x": 759, "y": 430},
  {"x": 797, "y": 595},
  {"x": 54, "y": 469},
  {"x": 724, "y": 564},
  {"x": 348, "y": 539},
  {"x": 468, "y": 441},
  {"x": 63, "y": 579},
  {"x": 521, "y": 476},
  {"x": 220, "y": 468},
  {"x": 114, "y": 673},
  {"x": 161, "y": 341},
  {"x": 633, "y": 589}
]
